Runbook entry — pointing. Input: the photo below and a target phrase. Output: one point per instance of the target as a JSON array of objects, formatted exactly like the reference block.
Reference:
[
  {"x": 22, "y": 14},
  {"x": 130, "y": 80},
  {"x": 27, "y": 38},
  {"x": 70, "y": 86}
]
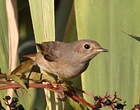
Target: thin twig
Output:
[
  {"x": 3, "y": 76},
  {"x": 32, "y": 85},
  {"x": 82, "y": 101}
]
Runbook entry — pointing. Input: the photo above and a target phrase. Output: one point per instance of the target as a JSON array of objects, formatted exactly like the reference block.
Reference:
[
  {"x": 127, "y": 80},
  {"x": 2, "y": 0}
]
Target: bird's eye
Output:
[{"x": 87, "y": 46}]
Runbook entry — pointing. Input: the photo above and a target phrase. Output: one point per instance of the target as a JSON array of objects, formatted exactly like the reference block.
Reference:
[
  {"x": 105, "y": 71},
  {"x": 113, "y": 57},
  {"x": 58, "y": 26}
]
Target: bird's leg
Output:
[{"x": 28, "y": 78}]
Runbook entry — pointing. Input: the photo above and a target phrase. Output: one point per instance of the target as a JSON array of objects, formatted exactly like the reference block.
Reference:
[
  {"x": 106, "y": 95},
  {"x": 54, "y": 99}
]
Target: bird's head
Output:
[{"x": 87, "y": 49}]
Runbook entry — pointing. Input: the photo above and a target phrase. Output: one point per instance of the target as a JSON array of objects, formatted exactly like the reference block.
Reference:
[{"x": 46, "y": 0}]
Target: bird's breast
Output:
[
  {"x": 62, "y": 68},
  {"x": 71, "y": 70}
]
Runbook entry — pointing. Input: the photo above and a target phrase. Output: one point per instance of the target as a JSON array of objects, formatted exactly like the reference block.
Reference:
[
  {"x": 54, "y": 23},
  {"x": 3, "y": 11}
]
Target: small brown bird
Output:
[{"x": 67, "y": 60}]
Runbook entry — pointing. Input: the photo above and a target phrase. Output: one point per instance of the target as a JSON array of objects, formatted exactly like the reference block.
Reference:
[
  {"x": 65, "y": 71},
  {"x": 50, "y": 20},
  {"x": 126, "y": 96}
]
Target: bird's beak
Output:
[{"x": 102, "y": 50}]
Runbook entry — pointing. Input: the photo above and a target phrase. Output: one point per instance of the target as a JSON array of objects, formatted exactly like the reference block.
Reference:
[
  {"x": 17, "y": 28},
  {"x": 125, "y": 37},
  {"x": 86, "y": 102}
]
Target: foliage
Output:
[{"x": 115, "y": 24}]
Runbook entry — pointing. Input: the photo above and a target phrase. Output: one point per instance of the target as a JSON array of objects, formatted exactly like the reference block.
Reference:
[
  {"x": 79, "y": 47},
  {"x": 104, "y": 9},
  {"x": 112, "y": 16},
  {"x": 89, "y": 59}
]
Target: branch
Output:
[
  {"x": 2, "y": 75},
  {"x": 32, "y": 85}
]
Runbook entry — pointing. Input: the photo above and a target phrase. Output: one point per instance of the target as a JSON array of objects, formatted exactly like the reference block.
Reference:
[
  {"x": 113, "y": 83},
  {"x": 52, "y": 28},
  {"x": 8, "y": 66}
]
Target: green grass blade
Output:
[
  {"x": 42, "y": 13},
  {"x": 3, "y": 42},
  {"x": 18, "y": 80},
  {"x": 3, "y": 38},
  {"x": 118, "y": 70}
]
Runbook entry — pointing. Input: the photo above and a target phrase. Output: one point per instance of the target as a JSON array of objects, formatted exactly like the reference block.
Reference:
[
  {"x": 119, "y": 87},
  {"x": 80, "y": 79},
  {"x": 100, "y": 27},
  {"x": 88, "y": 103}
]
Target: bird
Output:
[{"x": 66, "y": 60}]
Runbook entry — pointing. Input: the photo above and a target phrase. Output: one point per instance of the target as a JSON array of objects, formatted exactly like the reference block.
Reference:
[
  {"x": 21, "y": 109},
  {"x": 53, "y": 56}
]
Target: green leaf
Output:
[
  {"x": 17, "y": 80},
  {"x": 3, "y": 41},
  {"x": 133, "y": 36},
  {"x": 23, "y": 67},
  {"x": 76, "y": 105},
  {"x": 42, "y": 13},
  {"x": 119, "y": 69},
  {"x": 3, "y": 37}
]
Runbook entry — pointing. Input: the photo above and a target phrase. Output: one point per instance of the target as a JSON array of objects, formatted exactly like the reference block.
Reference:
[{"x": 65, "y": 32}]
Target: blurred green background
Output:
[{"x": 68, "y": 20}]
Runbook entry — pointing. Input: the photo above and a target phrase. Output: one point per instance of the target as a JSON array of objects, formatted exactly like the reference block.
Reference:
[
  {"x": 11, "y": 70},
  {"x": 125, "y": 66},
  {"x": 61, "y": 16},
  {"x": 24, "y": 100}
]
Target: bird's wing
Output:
[
  {"x": 49, "y": 50},
  {"x": 30, "y": 56}
]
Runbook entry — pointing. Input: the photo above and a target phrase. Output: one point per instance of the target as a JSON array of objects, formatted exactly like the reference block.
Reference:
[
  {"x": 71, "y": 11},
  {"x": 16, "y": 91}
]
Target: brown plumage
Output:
[{"x": 67, "y": 60}]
